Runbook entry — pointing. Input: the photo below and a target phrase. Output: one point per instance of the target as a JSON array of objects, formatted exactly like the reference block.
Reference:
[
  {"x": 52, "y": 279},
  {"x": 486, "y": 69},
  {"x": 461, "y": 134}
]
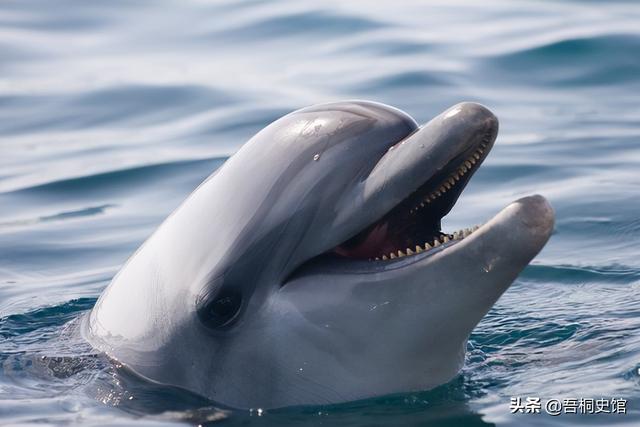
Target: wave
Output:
[
  {"x": 128, "y": 105},
  {"x": 61, "y": 216},
  {"x": 402, "y": 80},
  {"x": 303, "y": 24},
  {"x": 124, "y": 180},
  {"x": 43, "y": 317},
  {"x": 597, "y": 60},
  {"x": 571, "y": 274}
]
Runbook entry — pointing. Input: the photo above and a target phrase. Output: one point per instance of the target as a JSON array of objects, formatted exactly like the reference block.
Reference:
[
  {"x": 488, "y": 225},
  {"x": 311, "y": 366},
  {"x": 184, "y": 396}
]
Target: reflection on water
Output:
[{"x": 111, "y": 113}]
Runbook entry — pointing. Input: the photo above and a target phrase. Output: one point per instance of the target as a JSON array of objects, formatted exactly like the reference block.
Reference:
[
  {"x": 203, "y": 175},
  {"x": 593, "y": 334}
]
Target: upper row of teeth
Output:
[
  {"x": 448, "y": 183},
  {"x": 458, "y": 235}
]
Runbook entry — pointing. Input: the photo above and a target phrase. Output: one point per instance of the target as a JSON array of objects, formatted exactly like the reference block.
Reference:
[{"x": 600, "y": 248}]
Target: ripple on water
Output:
[
  {"x": 112, "y": 112},
  {"x": 586, "y": 61},
  {"x": 308, "y": 25},
  {"x": 123, "y": 105}
]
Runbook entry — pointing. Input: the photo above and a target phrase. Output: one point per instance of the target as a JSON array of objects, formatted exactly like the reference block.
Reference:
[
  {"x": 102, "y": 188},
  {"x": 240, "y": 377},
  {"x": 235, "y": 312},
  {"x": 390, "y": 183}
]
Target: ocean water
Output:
[{"x": 112, "y": 112}]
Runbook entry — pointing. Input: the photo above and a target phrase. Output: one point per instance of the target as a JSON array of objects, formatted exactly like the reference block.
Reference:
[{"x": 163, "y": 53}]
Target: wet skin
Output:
[{"x": 311, "y": 268}]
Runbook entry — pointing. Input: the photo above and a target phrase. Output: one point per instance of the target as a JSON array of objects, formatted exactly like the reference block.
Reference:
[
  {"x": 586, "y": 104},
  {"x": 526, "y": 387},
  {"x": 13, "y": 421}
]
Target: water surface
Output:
[{"x": 112, "y": 112}]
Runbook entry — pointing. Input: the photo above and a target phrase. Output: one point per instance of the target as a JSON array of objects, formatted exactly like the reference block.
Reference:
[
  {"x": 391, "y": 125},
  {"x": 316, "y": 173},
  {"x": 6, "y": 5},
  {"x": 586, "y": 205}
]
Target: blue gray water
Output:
[{"x": 112, "y": 112}]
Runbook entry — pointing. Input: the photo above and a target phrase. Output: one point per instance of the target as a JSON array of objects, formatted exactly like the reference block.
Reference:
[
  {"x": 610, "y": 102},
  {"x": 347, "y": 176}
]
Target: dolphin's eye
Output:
[{"x": 222, "y": 310}]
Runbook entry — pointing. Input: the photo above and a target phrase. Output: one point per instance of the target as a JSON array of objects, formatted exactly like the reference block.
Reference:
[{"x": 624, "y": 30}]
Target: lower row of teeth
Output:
[{"x": 458, "y": 235}]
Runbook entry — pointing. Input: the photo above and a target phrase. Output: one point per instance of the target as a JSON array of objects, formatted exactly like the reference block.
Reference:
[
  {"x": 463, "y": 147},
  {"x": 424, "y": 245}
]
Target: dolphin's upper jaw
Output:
[{"x": 414, "y": 225}]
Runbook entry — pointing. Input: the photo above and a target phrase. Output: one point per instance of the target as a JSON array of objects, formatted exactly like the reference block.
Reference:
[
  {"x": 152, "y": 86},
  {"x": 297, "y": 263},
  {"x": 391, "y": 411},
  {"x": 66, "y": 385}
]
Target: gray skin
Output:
[{"x": 314, "y": 330}]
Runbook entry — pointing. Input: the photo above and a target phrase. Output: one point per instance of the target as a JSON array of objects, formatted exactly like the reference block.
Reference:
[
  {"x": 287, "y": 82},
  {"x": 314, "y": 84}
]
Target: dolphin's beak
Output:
[{"x": 445, "y": 141}]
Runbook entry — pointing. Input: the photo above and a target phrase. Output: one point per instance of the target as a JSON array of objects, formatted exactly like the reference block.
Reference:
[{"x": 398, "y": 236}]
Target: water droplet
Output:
[{"x": 316, "y": 157}]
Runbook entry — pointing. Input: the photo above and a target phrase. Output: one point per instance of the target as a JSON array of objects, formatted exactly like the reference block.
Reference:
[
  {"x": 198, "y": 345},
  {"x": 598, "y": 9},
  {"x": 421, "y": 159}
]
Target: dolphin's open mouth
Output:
[{"x": 414, "y": 225}]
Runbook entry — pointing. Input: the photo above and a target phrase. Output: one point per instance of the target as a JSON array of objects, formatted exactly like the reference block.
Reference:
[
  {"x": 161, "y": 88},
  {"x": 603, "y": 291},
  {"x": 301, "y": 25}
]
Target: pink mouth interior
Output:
[{"x": 371, "y": 244}]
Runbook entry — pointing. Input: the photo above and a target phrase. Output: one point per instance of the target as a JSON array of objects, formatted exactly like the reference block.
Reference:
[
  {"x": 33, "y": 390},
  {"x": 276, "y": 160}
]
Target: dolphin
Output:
[{"x": 311, "y": 267}]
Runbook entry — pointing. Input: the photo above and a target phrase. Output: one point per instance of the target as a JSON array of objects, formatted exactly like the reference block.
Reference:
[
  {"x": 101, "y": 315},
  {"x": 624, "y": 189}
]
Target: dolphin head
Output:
[{"x": 311, "y": 267}]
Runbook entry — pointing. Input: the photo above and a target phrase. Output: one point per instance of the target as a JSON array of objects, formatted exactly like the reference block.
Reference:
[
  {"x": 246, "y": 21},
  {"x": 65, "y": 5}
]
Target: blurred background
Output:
[{"x": 111, "y": 113}]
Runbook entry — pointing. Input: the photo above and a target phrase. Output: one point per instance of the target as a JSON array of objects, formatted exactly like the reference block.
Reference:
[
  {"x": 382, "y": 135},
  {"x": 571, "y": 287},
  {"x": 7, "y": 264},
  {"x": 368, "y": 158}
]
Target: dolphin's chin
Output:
[{"x": 414, "y": 226}]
